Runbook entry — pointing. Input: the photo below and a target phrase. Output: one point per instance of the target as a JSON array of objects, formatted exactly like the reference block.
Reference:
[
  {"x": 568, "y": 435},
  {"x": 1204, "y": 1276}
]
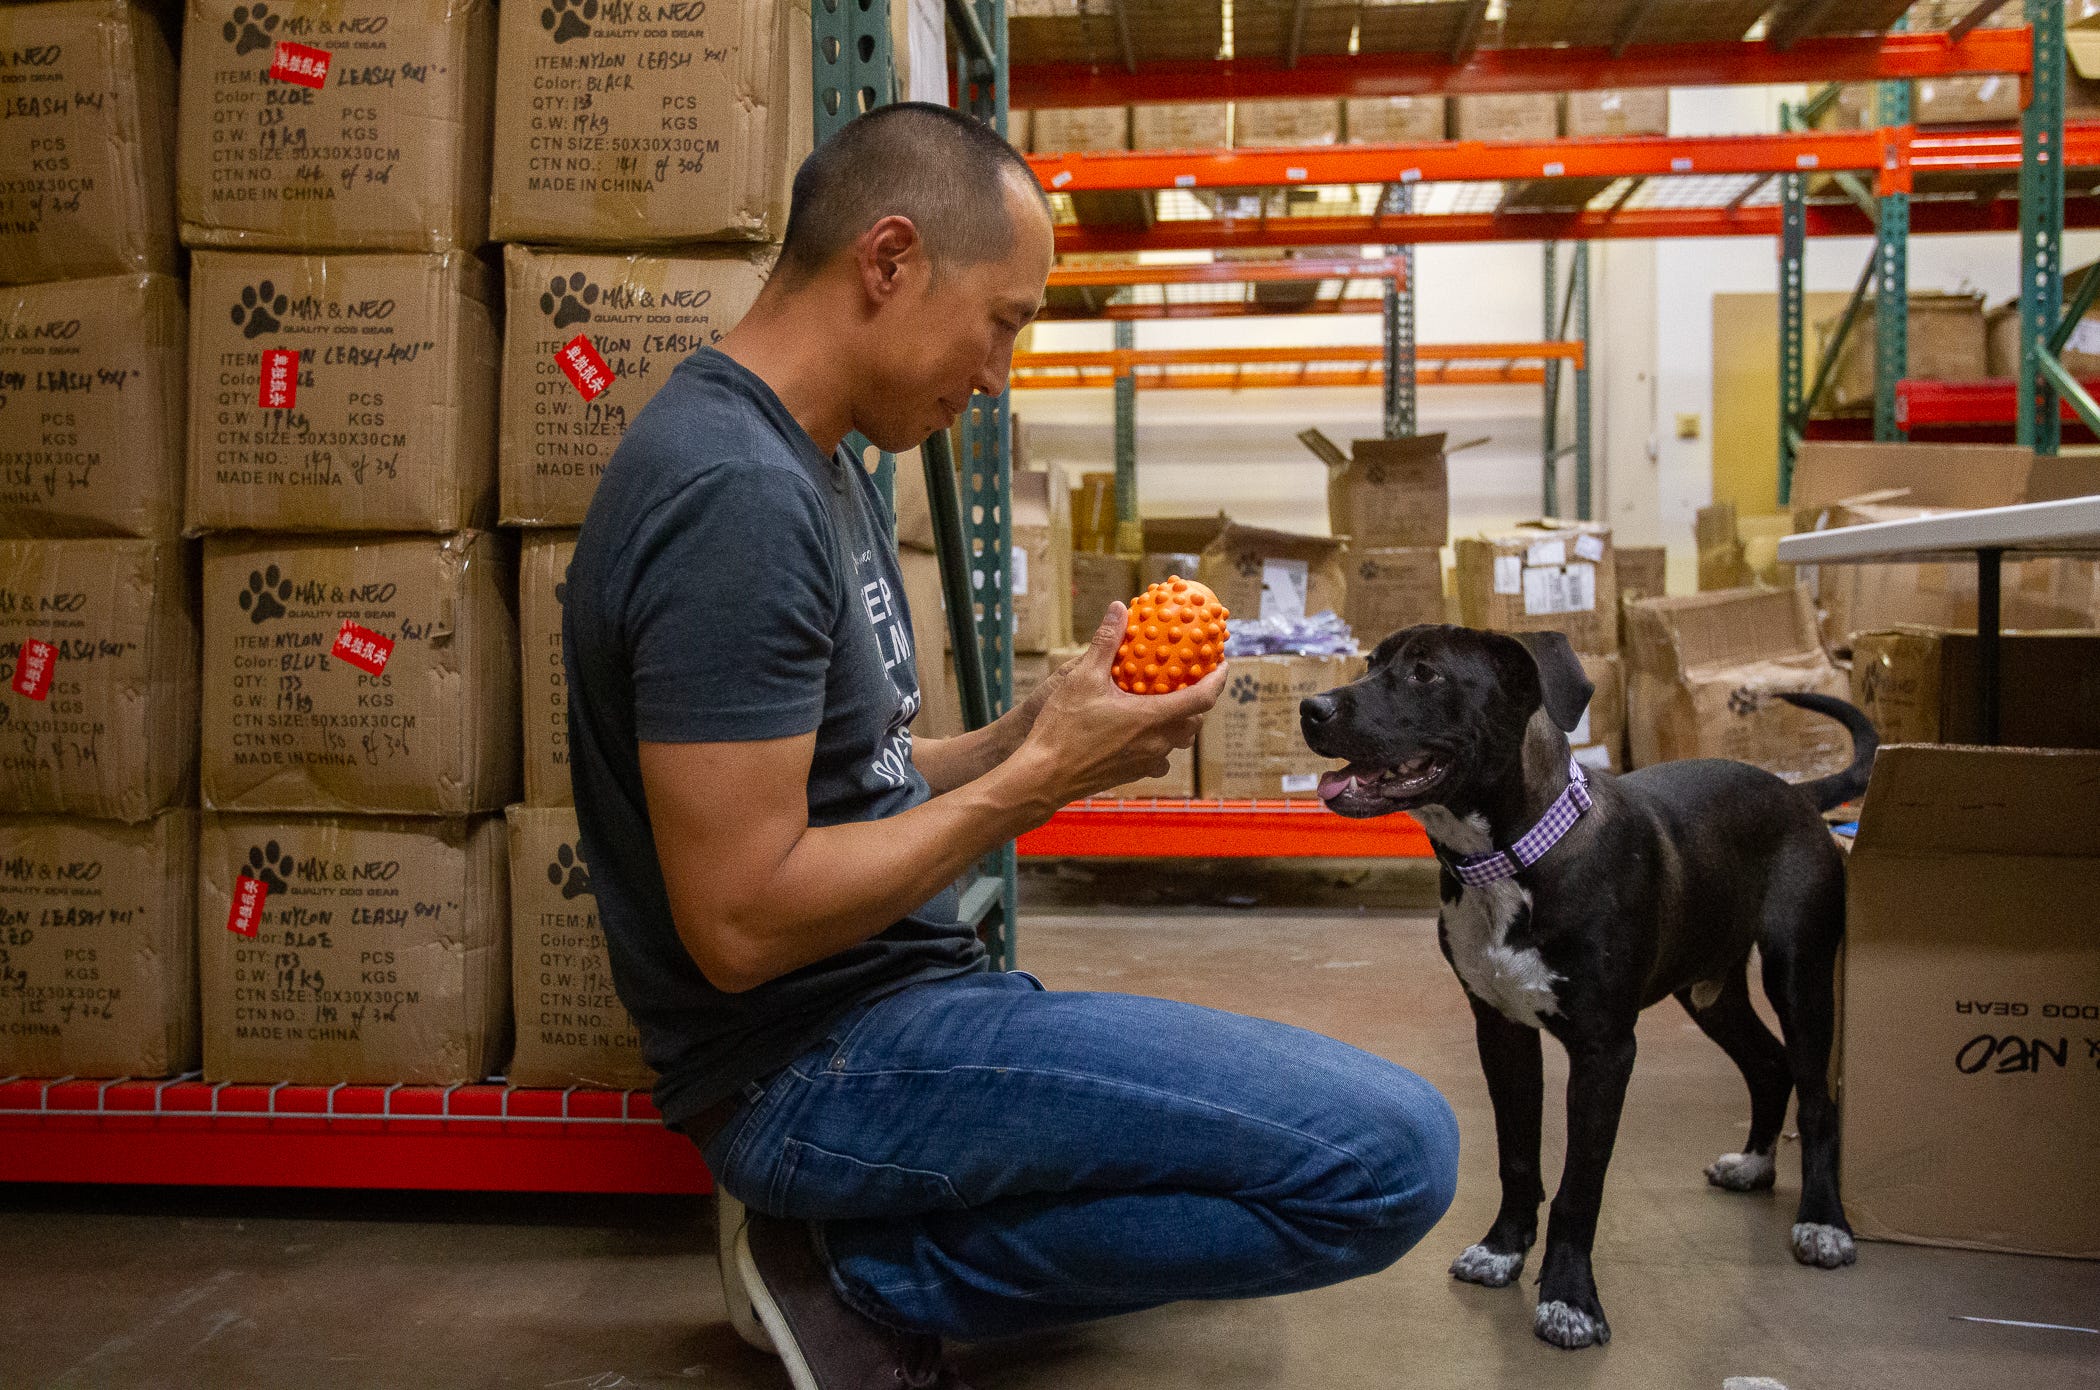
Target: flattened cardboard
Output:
[
  {"x": 87, "y": 149},
  {"x": 390, "y": 153},
  {"x": 116, "y": 735},
  {"x": 543, "y": 582},
  {"x": 92, "y": 395},
  {"x": 1702, "y": 671},
  {"x": 1251, "y": 746},
  {"x": 391, "y": 426},
  {"x": 383, "y": 953},
  {"x": 290, "y": 727},
  {"x": 643, "y": 314},
  {"x": 641, "y": 125},
  {"x": 1497, "y": 588},
  {"x": 1970, "y": 1103},
  {"x": 98, "y": 946},
  {"x": 571, "y": 1029}
]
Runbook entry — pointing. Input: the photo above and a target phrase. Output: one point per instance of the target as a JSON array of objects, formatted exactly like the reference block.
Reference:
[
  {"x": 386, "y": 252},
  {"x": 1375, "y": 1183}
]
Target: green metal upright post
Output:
[
  {"x": 1549, "y": 448},
  {"x": 1793, "y": 245},
  {"x": 1891, "y": 279},
  {"x": 1126, "y": 438},
  {"x": 1579, "y": 289},
  {"x": 1400, "y": 416},
  {"x": 2041, "y": 227}
]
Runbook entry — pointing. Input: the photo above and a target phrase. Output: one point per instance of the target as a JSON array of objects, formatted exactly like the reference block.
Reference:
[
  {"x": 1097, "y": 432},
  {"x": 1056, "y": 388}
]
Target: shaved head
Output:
[{"x": 945, "y": 171}]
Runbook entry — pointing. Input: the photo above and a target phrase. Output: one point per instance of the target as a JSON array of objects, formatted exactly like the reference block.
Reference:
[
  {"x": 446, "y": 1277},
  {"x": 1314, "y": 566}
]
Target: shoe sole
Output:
[{"x": 770, "y": 1316}]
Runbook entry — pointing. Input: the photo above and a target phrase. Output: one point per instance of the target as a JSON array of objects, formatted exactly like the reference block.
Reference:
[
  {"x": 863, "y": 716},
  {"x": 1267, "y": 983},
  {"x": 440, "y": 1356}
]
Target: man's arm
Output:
[
  {"x": 948, "y": 763},
  {"x": 757, "y": 892}
]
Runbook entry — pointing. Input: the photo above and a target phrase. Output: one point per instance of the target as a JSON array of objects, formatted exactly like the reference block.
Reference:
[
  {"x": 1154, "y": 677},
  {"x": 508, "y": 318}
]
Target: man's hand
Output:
[{"x": 1090, "y": 735}]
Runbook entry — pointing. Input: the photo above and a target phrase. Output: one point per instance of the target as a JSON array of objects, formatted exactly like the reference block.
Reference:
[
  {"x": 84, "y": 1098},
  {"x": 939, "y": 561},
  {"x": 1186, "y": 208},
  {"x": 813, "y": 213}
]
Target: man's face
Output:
[{"x": 952, "y": 334}]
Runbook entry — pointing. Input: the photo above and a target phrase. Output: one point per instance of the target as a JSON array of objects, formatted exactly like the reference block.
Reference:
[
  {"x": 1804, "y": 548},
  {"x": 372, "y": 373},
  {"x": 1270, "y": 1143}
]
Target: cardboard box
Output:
[
  {"x": 650, "y": 125},
  {"x": 1722, "y": 564},
  {"x": 391, "y": 422},
  {"x": 92, "y": 394},
  {"x": 940, "y": 698},
  {"x": 643, "y": 315},
  {"x": 1970, "y": 1104},
  {"x": 1178, "y": 783},
  {"x": 381, "y": 954},
  {"x": 543, "y": 585},
  {"x": 1251, "y": 745},
  {"x": 1642, "y": 571},
  {"x": 1386, "y": 492},
  {"x": 1557, "y": 576},
  {"x": 1390, "y": 588},
  {"x": 1918, "y": 685},
  {"x": 115, "y": 734},
  {"x": 1599, "y": 738},
  {"x": 1619, "y": 111},
  {"x": 1098, "y": 581},
  {"x": 1258, "y": 124},
  {"x": 1174, "y": 546},
  {"x": 98, "y": 973},
  {"x": 1080, "y": 129},
  {"x": 1191, "y": 125},
  {"x": 291, "y": 726},
  {"x": 572, "y": 1029},
  {"x": 2081, "y": 352},
  {"x": 1701, "y": 673},
  {"x": 87, "y": 149},
  {"x": 1393, "y": 120},
  {"x": 1259, "y": 573},
  {"x": 1532, "y": 116},
  {"x": 1946, "y": 344},
  {"x": 389, "y": 153},
  {"x": 1976, "y": 99},
  {"x": 1094, "y": 514},
  {"x": 1041, "y": 560}
]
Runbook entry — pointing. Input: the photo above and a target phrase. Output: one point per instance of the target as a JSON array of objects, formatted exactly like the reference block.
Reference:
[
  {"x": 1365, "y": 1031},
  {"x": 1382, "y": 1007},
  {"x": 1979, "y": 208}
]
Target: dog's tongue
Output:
[{"x": 1333, "y": 784}]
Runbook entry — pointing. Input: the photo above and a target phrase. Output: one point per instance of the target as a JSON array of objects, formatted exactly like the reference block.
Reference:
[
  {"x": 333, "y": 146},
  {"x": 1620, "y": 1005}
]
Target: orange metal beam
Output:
[
  {"x": 1298, "y": 270},
  {"x": 1844, "y": 59},
  {"x": 1255, "y": 378},
  {"x": 1221, "y": 829},
  {"x": 1214, "y": 309},
  {"x": 1120, "y": 359}
]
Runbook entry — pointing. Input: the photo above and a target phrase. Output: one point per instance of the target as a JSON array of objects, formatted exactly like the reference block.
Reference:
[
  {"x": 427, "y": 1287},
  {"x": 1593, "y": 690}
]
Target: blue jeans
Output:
[{"x": 983, "y": 1157}]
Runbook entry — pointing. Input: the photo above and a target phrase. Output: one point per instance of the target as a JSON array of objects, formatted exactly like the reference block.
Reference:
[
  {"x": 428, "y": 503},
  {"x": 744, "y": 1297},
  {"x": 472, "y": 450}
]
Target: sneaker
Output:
[{"x": 825, "y": 1344}]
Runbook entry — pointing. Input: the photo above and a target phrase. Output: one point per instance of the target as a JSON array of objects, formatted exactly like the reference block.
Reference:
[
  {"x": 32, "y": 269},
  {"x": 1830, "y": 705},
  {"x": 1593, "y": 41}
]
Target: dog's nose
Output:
[{"x": 1317, "y": 709}]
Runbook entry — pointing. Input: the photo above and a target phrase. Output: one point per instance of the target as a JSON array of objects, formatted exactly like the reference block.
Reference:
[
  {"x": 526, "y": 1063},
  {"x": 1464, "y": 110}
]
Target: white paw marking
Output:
[
  {"x": 1750, "y": 1172},
  {"x": 1567, "y": 1326},
  {"x": 1824, "y": 1246},
  {"x": 1477, "y": 1264}
]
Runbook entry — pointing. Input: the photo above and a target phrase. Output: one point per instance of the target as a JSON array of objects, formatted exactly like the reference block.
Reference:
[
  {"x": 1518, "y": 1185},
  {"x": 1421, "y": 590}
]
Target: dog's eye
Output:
[{"x": 1422, "y": 674}]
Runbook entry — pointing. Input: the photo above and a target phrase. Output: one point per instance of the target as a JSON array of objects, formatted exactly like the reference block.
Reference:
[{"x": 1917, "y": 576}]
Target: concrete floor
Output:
[{"x": 279, "y": 1289}]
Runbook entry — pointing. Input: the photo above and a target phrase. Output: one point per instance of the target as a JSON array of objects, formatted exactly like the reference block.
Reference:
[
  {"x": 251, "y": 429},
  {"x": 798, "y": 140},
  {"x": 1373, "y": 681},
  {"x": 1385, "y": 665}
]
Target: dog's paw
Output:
[
  {"x": 1827, "y": 1247},
  {"x": 1742, "y": 1172},
  {"x": 1477, "y": 1264},
  {"x": 1569, "y": 1328}
]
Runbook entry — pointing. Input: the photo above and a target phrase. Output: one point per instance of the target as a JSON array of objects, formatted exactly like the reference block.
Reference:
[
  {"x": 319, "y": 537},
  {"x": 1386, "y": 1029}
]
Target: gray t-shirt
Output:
[{"x": 730, "y": 584}]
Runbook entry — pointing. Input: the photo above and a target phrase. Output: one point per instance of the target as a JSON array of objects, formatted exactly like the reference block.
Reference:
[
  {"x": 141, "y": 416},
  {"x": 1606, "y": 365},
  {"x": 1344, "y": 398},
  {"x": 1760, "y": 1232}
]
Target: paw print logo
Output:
[
  {"x": 270, "y": 865},
  {"x": 568, "y": 19},
  {"x": 1243, "y": 690},
  {"x": 569, "y": 874},
  {"x": 265, "y": 596},
  {"x": 250, "y": 28},
  {"x": 1248, "y": 564},
  {"x": 1743, "y": 700},
  {"x": 568, "y": 300},
  {"x": 1368, "y": 571},
  {"x": 260, "y": 311},
  {"x": 1375, "y": 475}
]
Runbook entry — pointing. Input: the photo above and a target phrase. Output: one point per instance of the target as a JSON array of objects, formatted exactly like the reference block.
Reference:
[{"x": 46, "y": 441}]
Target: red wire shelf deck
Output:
[
  {"x": 1926, "y": 403},
  {"x": 1175, "y": 829},
  {"x": 481, "y": 1138}
]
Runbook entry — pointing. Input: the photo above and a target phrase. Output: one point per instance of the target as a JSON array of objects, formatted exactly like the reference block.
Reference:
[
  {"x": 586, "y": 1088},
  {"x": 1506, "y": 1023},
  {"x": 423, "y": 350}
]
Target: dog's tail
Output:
[{"x": 1839, "y": 787}]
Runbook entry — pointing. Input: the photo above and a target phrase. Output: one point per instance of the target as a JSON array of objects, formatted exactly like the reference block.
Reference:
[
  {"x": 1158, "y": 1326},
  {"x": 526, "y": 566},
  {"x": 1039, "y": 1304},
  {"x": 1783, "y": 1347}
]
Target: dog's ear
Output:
[{"x": 1563, "y": 688}]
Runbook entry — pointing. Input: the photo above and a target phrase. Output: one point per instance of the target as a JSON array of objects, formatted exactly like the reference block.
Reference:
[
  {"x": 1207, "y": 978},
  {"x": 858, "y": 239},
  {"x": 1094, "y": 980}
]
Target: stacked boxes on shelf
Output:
[{"x": 98, "y": 631}]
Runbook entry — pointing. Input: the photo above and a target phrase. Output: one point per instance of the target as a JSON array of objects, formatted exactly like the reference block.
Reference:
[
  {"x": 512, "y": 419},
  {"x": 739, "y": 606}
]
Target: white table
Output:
[{"x": 1987, "y": 535}]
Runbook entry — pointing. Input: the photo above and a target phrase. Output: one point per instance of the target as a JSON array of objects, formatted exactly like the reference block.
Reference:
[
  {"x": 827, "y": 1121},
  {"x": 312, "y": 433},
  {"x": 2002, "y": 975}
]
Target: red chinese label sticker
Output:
[
  {"x": 362, "y": 647},
  {"x": 33, "y": 668},
  {"x": 295, "y": 62},
  {"x": 249, "y": 895},
  {"x": 280, "y": 379},
  {"x": 585, "y": 369}
]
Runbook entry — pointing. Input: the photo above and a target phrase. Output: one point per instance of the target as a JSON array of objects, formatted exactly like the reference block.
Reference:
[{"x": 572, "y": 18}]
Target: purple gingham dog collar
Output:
[{"x": 1567, "y": 808}]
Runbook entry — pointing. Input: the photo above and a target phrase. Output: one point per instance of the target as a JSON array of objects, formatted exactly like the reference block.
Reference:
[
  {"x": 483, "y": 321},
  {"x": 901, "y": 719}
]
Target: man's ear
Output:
[{"x": 1563, "y": 688}]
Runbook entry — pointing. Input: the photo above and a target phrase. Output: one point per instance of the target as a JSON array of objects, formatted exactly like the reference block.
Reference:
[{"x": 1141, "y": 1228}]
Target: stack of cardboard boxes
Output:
[{"x": 98, "y": 632}]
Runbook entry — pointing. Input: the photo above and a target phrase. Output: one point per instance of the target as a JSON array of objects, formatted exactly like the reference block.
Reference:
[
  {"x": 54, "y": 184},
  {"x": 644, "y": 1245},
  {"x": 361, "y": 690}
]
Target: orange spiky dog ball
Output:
[{"x": 1176, "y": 637}]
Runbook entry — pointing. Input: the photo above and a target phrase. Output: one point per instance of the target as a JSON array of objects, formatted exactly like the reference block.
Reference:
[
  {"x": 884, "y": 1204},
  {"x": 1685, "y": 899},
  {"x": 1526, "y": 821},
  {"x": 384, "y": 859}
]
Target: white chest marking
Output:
[{"x": 1512, "y": 980}]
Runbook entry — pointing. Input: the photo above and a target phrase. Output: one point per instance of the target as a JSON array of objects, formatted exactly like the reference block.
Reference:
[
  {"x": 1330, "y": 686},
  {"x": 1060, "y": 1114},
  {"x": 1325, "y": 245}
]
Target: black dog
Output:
[{"x": 1660, "y": 887}]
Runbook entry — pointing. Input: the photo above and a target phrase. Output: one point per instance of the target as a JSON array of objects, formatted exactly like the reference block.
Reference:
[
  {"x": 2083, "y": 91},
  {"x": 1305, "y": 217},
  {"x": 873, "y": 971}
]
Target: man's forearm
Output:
[{"x": 949, "y": 763}]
